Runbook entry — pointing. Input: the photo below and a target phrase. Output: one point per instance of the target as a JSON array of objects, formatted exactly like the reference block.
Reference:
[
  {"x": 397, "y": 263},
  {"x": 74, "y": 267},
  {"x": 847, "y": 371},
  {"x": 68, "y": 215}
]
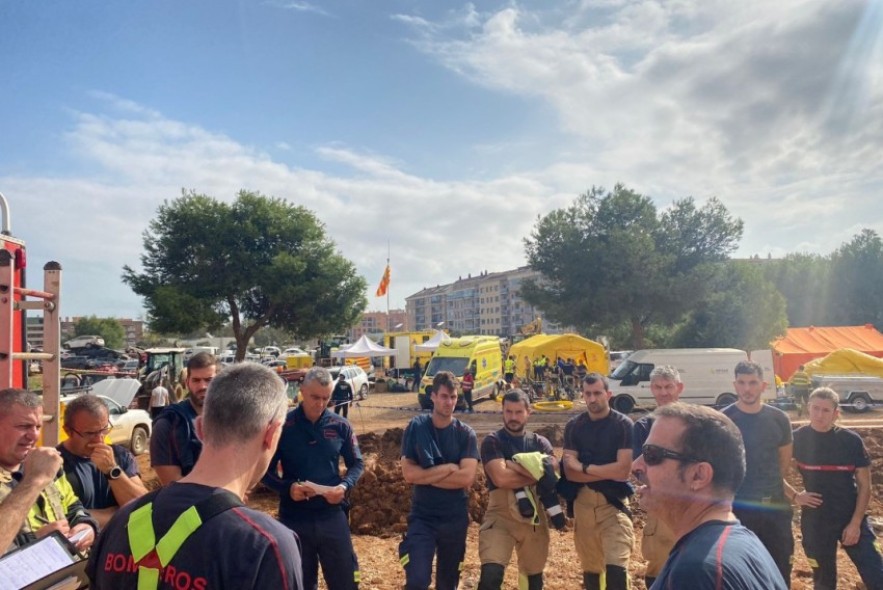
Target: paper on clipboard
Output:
[
  {"x": 318, "y": 488},
  {"x": 33, "y": 562}
]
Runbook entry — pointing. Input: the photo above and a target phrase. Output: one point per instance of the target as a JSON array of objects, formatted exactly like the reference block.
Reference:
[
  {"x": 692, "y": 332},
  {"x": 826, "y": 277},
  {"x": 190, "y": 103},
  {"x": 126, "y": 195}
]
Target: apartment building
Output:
[
  {"x": 488, "y": 303},
  {"x": 377, "y": 322}
]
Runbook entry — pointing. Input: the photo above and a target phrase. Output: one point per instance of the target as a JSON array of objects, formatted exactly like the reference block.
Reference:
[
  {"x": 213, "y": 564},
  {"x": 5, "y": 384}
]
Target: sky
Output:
[{"x": 434, "y": 129}]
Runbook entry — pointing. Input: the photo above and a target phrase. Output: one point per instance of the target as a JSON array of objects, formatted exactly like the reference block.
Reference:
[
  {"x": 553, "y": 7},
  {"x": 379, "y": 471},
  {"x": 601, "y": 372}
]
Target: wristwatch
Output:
[
  {"x": 585, "y": 467},
  {"x": 115, "y": 473}
]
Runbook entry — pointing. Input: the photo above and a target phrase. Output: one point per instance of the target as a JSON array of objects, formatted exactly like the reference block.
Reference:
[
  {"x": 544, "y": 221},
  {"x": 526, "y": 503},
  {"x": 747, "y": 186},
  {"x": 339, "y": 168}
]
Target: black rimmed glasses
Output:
[
  {"x": 654, "y": 455},
  {"x": 92, "y": 434}
]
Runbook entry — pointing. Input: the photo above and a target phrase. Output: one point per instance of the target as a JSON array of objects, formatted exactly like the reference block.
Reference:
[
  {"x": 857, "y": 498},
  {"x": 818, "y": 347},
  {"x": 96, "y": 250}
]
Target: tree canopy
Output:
[
  {"x": 108, "y": 328},
  {"x": 613, "y": 258},
  {"x": 259, "y": 261}
]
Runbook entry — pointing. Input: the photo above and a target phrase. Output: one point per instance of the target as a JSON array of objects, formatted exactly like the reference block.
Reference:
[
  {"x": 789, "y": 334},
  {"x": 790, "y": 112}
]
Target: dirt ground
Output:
[{"x": 381, "y": 500}]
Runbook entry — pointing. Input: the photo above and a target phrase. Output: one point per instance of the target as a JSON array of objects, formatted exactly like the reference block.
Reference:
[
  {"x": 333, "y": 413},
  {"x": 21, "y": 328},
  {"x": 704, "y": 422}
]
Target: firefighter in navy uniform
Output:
[
  {"x": 835, "y": 467},
  {"x": 312, "y": 495},
  {"x": 196, "y": 533}
]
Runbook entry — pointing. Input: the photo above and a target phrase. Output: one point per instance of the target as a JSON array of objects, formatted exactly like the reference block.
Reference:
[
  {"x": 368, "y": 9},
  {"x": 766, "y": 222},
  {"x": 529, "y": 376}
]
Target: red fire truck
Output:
[{"x": 15, "y": 300}]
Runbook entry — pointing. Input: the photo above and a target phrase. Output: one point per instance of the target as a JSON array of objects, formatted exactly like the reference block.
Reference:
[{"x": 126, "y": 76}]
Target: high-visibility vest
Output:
[
  {"x": 509, "y": 366},
  {"x": 800, "y": 380},
  {"x": 148, "y": 553}
]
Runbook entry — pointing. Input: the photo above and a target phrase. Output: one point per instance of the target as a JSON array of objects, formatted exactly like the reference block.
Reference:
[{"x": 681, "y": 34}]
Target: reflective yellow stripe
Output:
[
  {"x": 148, "y": 578},
  {"x": 357, "y": 576},
  {"x": 184, "y": 526},
  {"x": 142, "y": 539},
  {"x": 405, "y": 559}
]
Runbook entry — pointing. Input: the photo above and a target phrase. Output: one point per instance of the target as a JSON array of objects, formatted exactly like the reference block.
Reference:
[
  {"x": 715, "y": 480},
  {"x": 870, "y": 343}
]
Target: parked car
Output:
[
  {"x": 131, "y": 428},
  {"x": 293, "y": 350},
  {"x": 127, "y": 366},
  {"x": 83, "y": 341},
  {"x": 356, "y": 377}
]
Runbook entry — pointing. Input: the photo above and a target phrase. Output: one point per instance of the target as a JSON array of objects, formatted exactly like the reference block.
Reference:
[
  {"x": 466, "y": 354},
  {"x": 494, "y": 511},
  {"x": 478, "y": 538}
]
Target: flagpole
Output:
[{"x": 387, "y": 289}]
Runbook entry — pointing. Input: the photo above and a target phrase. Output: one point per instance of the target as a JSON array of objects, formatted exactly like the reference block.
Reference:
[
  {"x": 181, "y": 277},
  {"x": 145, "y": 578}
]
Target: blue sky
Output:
[{"x": 442, "y": 127}]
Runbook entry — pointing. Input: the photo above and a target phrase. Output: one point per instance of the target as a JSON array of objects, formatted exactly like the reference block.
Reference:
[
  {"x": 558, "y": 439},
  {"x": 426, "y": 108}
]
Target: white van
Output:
[{"x": 707, "y": 374}]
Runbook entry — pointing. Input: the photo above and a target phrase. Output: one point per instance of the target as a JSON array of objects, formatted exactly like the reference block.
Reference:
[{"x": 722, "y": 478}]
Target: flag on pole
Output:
[{"x": 383, "y": 287}]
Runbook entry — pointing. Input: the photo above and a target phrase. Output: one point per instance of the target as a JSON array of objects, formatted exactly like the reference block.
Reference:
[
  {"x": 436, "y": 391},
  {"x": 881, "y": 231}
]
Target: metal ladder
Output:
[{"x": 14, "y": 298}]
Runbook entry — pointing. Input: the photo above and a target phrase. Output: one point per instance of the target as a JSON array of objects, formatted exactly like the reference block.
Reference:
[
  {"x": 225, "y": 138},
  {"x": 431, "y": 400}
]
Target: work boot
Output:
[
  {"x": 491, "y": 576},
  {"x": 592, "y": 581},
  {"x": 535, "y": 582},
  {"x": 617, "y": 578}
]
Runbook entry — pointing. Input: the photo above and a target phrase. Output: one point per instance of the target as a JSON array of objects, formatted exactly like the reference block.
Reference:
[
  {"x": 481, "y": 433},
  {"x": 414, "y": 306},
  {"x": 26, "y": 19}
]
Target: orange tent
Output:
[{"x": 801, "y": 345}]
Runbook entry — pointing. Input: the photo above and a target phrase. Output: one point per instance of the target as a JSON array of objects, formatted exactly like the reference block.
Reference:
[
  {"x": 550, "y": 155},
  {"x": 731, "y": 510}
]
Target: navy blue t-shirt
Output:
[
  {"x": 721, "y": 556},
  {"x": 641, "y": 432},
  {"x": 90, "y": 485},
  {"x": 763, "y": 434},
  {"x": 310, "y": 451},
  {"x": 429, "y": 446},
  {"x": 238, "y": 548},
  {"x": 827, "y": 461},
  {"x": 598, "y": 441}
]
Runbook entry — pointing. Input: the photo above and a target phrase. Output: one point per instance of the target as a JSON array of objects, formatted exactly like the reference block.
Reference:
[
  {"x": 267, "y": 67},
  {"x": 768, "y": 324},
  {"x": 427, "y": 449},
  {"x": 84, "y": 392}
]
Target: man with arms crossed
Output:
[
  {"x": 104, "y": 477},
  {"x": 761, "y": 503},
  {"x": 439, "y": 458},
  {"x": 313, "y": 441},
  {"x": 836, "y": 472},
  {"x": 174, "y": 445},
  {"x": 598, "y": 454},
  {"x": 504, "y": 528},
  {"x": 196, "y": 532},
  {"x": 690, "y": 467},
  {"x": 658, "y": 538}
]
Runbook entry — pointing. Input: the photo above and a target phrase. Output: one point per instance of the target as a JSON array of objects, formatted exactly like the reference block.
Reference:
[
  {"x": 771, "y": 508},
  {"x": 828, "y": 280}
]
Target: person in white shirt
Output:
[{"x": 159, "y": 399}]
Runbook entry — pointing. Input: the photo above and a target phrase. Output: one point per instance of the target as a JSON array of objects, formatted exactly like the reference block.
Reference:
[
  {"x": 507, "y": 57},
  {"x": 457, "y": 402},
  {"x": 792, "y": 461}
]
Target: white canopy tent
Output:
[
  {"x": 363, "y": 347},
  {"x": 431, "y": 344}
]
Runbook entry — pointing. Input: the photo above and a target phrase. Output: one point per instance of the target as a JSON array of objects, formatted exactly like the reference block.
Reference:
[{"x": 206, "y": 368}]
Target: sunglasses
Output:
[{"x": 654, "y": 455}]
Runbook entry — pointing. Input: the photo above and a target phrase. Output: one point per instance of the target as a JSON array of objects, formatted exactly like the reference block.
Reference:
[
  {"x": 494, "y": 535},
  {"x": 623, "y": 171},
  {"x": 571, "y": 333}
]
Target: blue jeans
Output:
[{"x": 427, "y": 537}]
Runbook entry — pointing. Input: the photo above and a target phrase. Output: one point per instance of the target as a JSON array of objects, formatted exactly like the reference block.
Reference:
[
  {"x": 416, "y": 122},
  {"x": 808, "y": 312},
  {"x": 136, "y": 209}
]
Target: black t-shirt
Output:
[
  {"x": 598, "y": 441},
  {"x": 494, "y": 447},
  {"x": 90, "y": 485},
  {"x": 721, "y": 555},
  {"x": 827, "y": 462},
  {"x": 238, "y": 548},
  {"x": 763, "y": 434}
]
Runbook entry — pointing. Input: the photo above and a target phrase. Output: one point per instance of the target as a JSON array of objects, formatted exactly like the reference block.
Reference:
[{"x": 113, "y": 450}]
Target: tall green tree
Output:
[
  {"x": 743, "y": 310},
  {"x": 108, "y": 328},
  {"x": 857, "y": 280},
  {"x": 805, "y": 282},
  {"x": 612, "y": 257},
  {"x": 256, "y": 262}
]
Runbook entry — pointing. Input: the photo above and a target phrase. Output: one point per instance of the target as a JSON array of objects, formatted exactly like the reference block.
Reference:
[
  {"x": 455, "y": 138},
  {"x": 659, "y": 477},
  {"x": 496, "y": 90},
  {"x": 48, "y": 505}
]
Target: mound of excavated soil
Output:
[{"x": 382, "y": 499}]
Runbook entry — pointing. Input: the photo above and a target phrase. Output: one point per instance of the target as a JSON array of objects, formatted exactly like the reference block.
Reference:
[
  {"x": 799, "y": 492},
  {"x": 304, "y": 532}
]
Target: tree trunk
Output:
[{"x": 637, "y": 334}]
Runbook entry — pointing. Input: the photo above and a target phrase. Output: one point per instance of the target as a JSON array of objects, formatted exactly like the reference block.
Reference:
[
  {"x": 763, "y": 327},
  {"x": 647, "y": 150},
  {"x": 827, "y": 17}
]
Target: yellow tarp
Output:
[
  {"x": 846, "y": 362},
  {"x": 566, "y": 346}
]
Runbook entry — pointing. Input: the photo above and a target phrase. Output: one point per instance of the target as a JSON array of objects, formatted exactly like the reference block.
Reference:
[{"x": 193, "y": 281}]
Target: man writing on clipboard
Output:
[{"x": 34, "y": 502}]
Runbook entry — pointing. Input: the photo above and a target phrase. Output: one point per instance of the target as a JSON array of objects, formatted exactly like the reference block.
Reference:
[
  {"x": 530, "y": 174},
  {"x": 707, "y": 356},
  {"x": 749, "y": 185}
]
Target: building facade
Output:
[
  {"x": 378, "y": 322},
  {"x": 488, "y": 303}
]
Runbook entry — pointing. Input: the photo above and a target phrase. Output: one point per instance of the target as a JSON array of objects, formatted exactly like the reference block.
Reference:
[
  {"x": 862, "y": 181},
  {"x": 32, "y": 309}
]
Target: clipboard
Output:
[{"x": 43, "y": 564}]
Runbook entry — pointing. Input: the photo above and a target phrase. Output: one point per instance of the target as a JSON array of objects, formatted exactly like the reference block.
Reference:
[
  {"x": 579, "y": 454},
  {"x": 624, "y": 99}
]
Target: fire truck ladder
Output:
[{"x": 46, "y": 301}]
